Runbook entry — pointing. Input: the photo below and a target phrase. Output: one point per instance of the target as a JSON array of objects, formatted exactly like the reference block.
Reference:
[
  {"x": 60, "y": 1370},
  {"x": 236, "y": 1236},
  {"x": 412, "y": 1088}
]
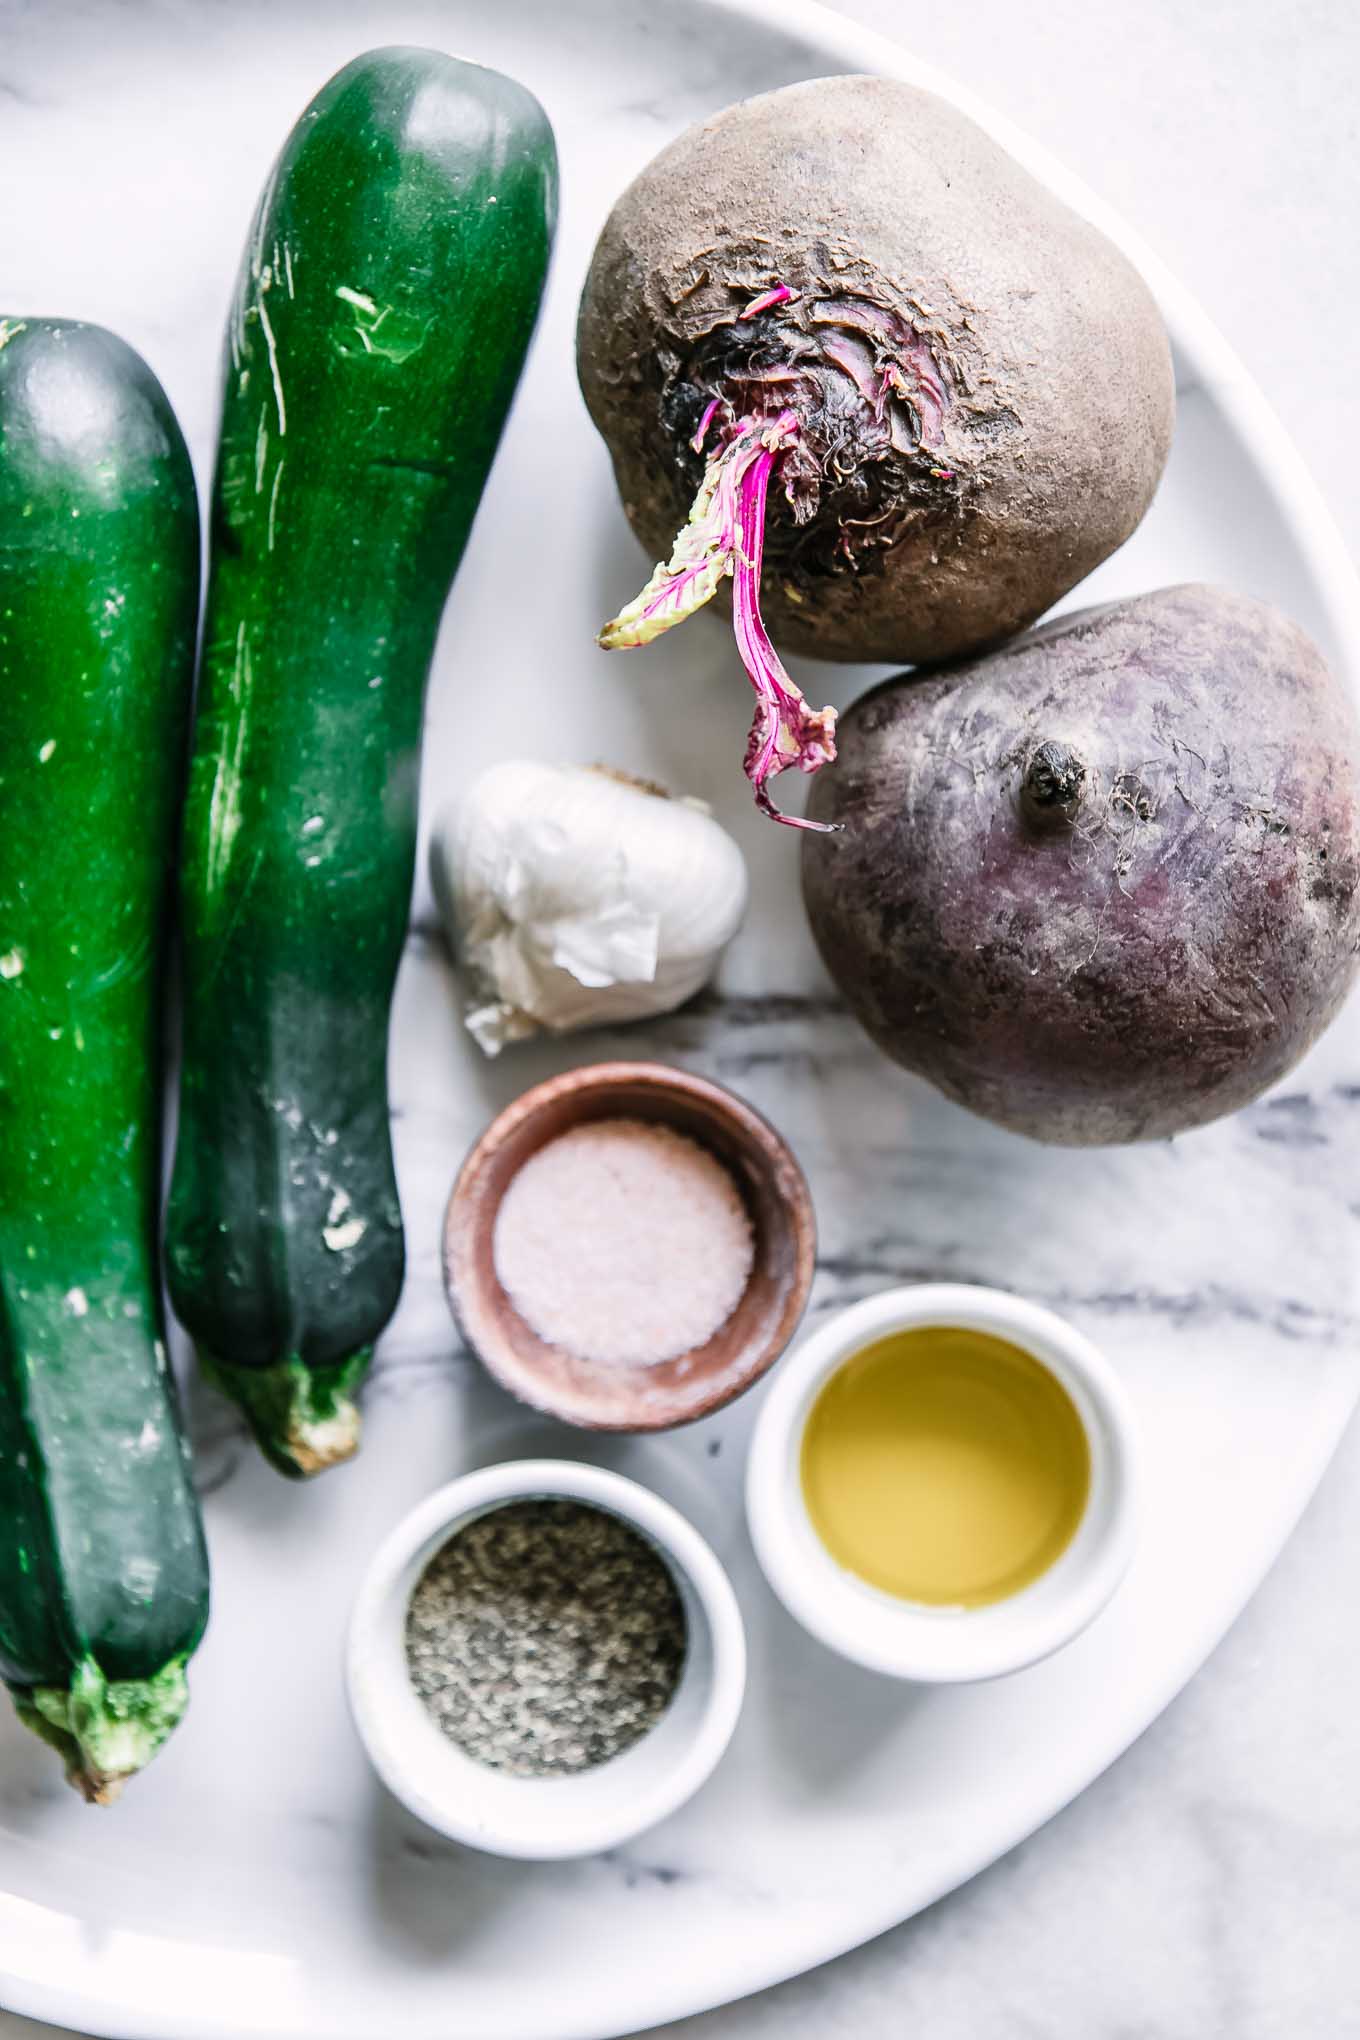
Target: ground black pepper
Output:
[{"x": 545, "y": 1637}]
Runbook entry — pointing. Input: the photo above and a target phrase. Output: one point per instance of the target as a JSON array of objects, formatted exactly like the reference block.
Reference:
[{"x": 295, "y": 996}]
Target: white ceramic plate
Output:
[{"x": 256, "y": 1883}]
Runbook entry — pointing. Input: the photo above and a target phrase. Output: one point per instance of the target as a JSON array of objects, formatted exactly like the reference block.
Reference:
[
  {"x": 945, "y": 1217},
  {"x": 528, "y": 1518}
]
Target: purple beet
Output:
[
  {"x": 881, "y": 382},
  {"x": 1104, "y": 884}
]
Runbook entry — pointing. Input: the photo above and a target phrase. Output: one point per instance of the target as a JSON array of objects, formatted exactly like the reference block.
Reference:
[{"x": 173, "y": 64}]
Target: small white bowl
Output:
[
  {"x": 908, "y": 1640},
  {"x": 544, "y": 1818}
]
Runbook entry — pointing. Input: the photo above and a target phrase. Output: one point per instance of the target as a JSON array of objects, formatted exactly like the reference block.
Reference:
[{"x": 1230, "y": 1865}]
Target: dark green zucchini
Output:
[
  {"x": 103, "y": 1577},
  {"x": 386, "y": 300}
]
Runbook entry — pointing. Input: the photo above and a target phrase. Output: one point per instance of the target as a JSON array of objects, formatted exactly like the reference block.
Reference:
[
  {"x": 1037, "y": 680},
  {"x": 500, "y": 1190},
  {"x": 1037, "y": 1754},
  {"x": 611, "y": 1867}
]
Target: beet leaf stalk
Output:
[{"x": 725, "y": 536}]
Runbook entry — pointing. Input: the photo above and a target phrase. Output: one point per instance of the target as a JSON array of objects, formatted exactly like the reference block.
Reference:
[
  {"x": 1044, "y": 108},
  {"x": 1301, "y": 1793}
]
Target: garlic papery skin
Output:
[{"x": 576, "y": 897}]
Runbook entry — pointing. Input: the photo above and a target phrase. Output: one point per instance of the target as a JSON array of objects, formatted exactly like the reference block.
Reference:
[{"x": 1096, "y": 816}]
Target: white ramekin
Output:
[
  {"x": 544, "y": 1818},
  {"x": 908, "y": 1640}
]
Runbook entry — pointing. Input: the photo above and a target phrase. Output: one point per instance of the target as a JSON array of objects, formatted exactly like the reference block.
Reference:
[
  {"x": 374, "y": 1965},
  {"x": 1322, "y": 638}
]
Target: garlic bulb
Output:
[{"x": 574, "y": 897}]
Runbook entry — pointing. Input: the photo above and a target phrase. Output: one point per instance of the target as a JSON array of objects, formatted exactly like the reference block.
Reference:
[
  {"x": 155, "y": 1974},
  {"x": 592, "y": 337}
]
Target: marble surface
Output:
[{"x": 1199, "y": 1888}]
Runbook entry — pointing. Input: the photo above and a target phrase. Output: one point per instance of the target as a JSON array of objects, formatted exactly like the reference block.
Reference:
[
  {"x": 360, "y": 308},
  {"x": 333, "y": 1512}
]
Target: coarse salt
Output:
[{"x": 624, "y": 1242}]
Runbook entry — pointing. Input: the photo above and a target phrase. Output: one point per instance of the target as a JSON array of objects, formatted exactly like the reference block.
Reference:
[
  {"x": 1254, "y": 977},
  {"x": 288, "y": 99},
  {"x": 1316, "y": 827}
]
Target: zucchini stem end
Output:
[
  {"x": 304, "y": 1419},
  {"x": 105, "y": 1730}
]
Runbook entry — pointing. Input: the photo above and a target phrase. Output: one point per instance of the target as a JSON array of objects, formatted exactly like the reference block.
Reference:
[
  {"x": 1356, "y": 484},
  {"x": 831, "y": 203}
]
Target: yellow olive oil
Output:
[{"x": 945, "y": 1466}]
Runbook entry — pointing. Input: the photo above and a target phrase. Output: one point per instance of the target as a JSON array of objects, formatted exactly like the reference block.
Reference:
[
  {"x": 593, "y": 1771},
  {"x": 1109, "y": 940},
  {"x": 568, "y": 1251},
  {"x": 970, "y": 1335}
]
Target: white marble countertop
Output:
[{"x": 1200, "y": 1888}]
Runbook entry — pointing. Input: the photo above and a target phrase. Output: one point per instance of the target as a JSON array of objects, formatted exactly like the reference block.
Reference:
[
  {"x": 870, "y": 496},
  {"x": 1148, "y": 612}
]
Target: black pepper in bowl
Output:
[{"x": 545, "y": 1637}]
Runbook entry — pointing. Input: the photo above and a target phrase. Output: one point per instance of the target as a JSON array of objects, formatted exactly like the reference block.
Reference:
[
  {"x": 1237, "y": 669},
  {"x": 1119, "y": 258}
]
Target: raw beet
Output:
[
  {"x": 949, "y": 397},
  {"x": 1103, "y": 884}
]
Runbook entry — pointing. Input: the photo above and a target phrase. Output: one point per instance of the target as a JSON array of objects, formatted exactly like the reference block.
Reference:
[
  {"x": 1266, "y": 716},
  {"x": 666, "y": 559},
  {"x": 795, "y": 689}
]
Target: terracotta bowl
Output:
[{"x": 602, "y": 1397}]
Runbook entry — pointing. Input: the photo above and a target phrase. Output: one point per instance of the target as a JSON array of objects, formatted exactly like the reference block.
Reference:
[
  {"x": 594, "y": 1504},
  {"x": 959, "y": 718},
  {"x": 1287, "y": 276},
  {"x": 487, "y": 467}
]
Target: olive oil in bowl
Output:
[
  {"x": 945, "y": 1466},
  {"x": 942, "y": 1483}
]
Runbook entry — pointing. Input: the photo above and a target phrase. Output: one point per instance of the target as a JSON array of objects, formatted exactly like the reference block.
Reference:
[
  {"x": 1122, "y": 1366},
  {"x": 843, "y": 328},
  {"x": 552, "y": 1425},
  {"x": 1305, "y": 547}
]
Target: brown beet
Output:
[
  {"x": 1104, "y": 884},
  {"x": 965, "y": 390}
]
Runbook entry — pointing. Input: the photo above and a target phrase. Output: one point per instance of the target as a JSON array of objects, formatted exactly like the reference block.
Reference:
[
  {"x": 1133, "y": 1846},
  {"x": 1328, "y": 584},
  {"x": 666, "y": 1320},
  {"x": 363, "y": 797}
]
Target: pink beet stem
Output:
[
  {"x": 725, "y": 535},
  {"x": 784, "y": 731},
  {"x": 714, "y": 404},
  {"x": 780, "y": 295}
]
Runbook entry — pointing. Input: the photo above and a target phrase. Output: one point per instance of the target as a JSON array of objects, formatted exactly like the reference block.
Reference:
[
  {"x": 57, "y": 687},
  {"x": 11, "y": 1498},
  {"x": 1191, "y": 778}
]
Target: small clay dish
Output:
[{"x": 608, "y": 1397}]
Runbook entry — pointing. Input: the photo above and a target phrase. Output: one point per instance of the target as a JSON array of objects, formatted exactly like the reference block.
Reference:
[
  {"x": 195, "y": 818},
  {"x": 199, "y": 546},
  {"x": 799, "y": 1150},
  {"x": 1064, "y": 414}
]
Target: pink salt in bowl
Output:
[{"x": 614, "y": 1394}]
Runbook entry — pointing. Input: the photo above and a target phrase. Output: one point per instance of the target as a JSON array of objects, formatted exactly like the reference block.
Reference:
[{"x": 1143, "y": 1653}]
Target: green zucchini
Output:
[
  {"x": 388, "y": 293},
  {"x": 103, "y": 1576}
]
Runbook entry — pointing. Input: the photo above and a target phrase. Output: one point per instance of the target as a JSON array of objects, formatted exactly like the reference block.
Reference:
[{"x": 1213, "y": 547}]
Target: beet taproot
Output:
[
  {"x": 1103, "y": 884},
  {"x": 841, "y": 320}
]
